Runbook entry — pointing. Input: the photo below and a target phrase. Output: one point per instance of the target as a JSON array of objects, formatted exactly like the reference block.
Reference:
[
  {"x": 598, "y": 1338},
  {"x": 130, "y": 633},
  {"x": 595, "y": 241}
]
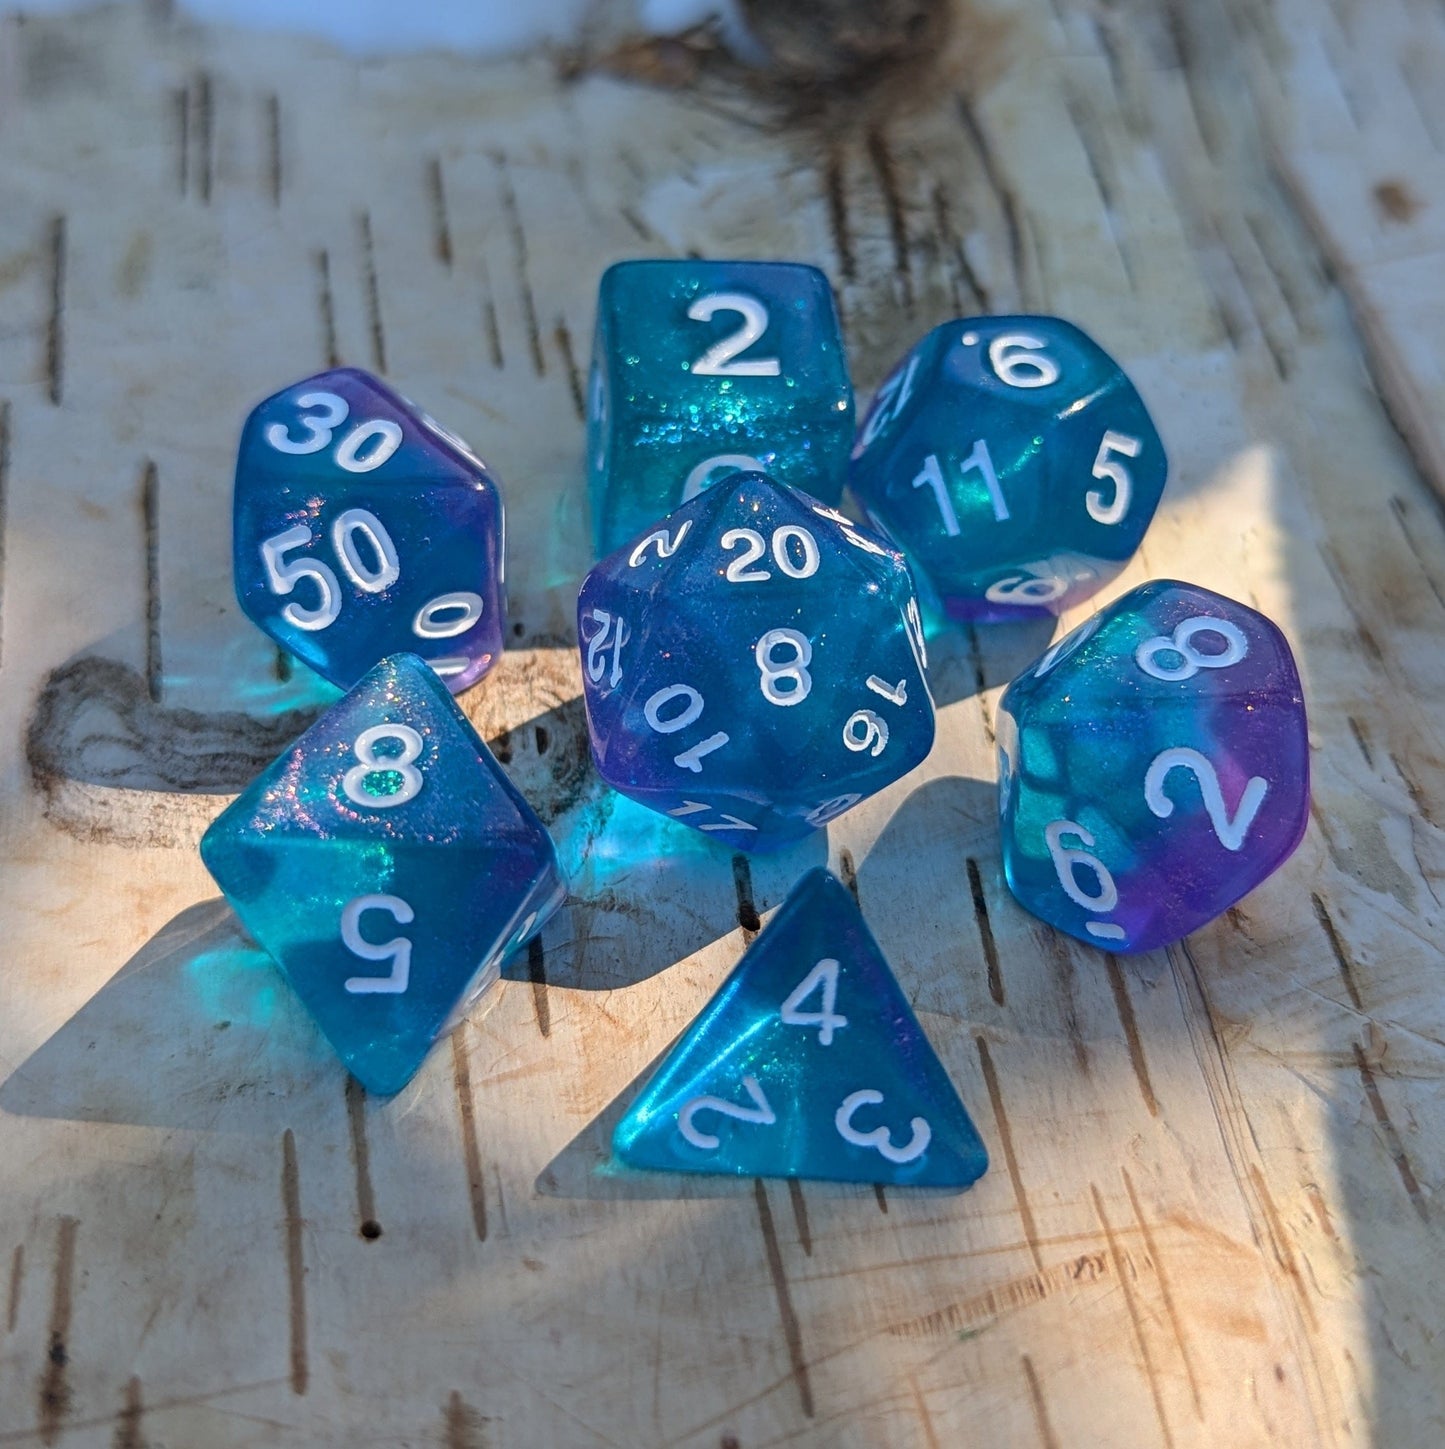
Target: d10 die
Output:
[
  {"x": 753, "y": 665},
  {"x": 363, "y": 528},
  {"x": 1153, "y": 767},
  {"x": 809, "y": 1062},
  {"x": 1015, "y": 463},
  {"x": 702, "y": 368},
  {"x": 388, "y": 866}
]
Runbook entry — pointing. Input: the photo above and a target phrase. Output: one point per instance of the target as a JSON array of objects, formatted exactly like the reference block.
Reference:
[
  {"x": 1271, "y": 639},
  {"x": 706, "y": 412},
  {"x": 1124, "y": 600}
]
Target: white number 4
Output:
[{"x": 823, "y": 978}]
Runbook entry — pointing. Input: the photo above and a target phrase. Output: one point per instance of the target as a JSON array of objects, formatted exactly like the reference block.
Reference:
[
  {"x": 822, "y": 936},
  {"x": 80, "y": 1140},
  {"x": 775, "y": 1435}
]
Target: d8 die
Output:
[
  {"x": 1015, "y": 463},
  {"x": 362, "y": 528},
  {"x": 701, "y": 368},
  {"x": 388, "y": 866},
  {"x": 753, "y": 665},
  {"x": 1153, "y": 767}
]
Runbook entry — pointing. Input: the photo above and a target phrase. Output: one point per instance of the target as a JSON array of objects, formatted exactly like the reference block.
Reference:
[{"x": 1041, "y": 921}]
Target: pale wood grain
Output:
[{"x": 1212, "y": 1212}]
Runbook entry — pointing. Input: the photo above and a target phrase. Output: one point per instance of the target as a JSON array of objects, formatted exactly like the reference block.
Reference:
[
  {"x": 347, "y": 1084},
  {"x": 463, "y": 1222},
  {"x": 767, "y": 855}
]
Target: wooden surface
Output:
[{"x": 1212, "y": 1214}]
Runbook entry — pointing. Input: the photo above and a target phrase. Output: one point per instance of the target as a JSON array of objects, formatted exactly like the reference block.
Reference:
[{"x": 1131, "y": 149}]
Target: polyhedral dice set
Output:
[{"x": 753, "y": 666}]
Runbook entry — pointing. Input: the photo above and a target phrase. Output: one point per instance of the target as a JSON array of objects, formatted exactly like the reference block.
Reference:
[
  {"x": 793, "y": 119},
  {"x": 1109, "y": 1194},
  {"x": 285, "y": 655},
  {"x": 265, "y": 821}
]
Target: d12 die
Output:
[
  {"x": 753, "y": 665},
  {"x": 363, "y": 528},
  {"x": 808, "y": 1062},
  {"x": 1015, "y": 463},
  {"x": 701, "y": 368},
  {"x": 388, "y": 865},
  {"x": 1153, "y": 767}
]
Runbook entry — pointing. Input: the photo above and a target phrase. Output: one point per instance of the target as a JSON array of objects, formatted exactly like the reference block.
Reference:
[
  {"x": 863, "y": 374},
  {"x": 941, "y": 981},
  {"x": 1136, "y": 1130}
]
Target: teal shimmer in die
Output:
[
  {"x": 808, "y": 1062},
  {"x": 391, "y": 801},
  {"x": 661, "y": 428},
  {"x": 1014, "y": 462}
]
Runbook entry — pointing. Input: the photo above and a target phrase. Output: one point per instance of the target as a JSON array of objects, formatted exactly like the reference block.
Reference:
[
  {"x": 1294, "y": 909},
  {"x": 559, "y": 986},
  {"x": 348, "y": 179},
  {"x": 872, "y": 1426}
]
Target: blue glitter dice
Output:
[
  {"x": 388, "y": 865},
  {"x": 753, "y": 665},
  {"x": 1153, "y": 767},
  {"x": 808, "y": 1062},
  {"x": 701, "y": 368},
  {"x": 1013, "y": 461},
  {"x": 363, "y": 528}
]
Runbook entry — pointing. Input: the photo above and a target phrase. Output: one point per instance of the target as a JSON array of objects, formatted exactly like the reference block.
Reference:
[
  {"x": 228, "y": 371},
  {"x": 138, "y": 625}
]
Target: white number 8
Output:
[
  {"x": 353, "y": 783},
  {"x": 1236, "y": 647},
  {"x": 795, "y": 671}
]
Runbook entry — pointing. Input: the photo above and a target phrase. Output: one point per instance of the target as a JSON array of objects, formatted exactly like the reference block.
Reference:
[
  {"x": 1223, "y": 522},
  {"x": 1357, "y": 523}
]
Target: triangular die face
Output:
[
  {"x": 393, "y": 760},
  {"x": 808, "y": 1062}
]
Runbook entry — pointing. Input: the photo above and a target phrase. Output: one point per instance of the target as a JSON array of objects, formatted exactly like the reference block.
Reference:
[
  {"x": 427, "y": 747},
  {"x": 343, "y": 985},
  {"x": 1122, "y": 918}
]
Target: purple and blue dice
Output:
[
  {"x": 753, "y": 665},
  {"x": 1013, "y": 461},
  {"x": 389, "y": 867},
  {"x": 702, "y": 368},
  {"x": 1153, "y": 767},
  {"x": 363, "y": 528}
]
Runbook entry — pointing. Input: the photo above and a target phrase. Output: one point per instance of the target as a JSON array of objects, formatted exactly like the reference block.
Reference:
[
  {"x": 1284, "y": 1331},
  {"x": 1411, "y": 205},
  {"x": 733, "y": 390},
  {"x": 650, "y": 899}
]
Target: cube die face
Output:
[
  {"x": 1153, "y": 767},
  {"x": 388, "y": 866},
  {"x": 362, "y": 528},
  {"x": 754, "y": 665},
  {"x": 1015, "y": 463},
  {"x": 701, "y": 368}
]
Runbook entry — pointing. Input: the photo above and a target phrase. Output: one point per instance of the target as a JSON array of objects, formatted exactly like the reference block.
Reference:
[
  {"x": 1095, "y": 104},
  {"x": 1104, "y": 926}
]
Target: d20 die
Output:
[
  {"x": 808, "y": 1062},
  {"x": 754, "y": 665},
  {"x": 701, "y": 368},
  {"x": 389, "y": 866},
  {"x": 1014, "y": 462},
  {"x": 364, "y": 528},
  {"x": 1153, "y": 767}
]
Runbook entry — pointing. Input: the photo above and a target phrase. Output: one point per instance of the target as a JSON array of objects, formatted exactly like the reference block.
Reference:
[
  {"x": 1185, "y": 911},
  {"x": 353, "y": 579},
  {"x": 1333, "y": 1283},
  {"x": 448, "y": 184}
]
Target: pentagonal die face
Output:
[
  {"x": 1015, "y": 463},
  {"x": 388, "y": 866},
  {"x": 701, "y": 368},
  {"x": 754, "y": 665},
  {"x": 1153, "y": 767},
  {"x": 363, "y": 528}
]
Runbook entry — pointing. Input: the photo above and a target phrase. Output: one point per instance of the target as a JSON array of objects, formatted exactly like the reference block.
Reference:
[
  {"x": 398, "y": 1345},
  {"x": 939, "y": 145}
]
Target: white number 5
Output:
[
  {"x": 397, "y": 950},
  {"x": 1107, "y": 467}
]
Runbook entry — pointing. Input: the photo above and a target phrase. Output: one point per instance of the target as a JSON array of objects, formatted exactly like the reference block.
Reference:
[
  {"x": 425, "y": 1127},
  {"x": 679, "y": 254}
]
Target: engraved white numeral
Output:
[
  {"x": 823, "y": 978},
  {"x": 848, "y": 529},
  {"x": 820, "y": 815},
  {"x": 283, "y": 574},
  {"x": 664, "y": 543},
  {"x": 1066, "y": 858},
  {"x": 689, "y": 714},
  {"x": 794, "y": 672},
  {"x": 1068, "y": 644},
  {"x": 445, "y": 617},
  {"x": 981, "y": 460},
  {"x": 875, "y": 732},
  {"x": 714, "y": 470},
  {"x": 880, "y": 1139},
  {"x": 720, "y": 359},
  {"x": 1236, "y": 647},
  {"x": 760, "y": 1112},
  {"x": 397, "y": 950},
  {"x": 353, "y": 782},
  {"x": 893, "y": 693},
  {"x": 320, "y": 427},
  {"x": 385, "y": 570},
  {"x": 1025, "y": 589},
  {"x": 913, "y": 619},
  {"x": 1018, "y": 360},
  {"x": 1111, "y": 468},
  {"x": 614, "y": 630},
  {"x": 689, "y": 808},
  {"x": 739, "y": 571},
  {"x": 932, "y": 477},
  {"x": 1231, "y": 832},
  {"x": 889, "y": 403}
]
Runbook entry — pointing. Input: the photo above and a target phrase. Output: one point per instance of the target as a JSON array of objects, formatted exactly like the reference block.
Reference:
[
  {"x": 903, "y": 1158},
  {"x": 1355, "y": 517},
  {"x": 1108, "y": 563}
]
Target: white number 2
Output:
[
  {"x": 397, "y": 950},
  {"x": 720, "y": 359},
  {"x": 760, "y": 1112},
  {"x": 1231, "y": 832},
  {"x": 823, "y": 978}
]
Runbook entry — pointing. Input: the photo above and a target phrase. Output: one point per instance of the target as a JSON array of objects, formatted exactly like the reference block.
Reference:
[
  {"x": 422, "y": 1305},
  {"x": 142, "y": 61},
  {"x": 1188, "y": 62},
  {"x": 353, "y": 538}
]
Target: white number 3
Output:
[{"x": 880, "y": 1138}]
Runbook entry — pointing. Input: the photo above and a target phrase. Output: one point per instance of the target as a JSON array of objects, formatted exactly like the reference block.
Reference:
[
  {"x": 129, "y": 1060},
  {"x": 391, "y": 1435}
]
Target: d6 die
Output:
[
  {"x": 753, "y": 665},
  {"x": 1153, "y": 767},
  {"x": 1015, "y": 463},
  {"x": 701, "y": 368},
  {"x": 363, "y": 528},
  {"x": 388, "y": 866}
]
